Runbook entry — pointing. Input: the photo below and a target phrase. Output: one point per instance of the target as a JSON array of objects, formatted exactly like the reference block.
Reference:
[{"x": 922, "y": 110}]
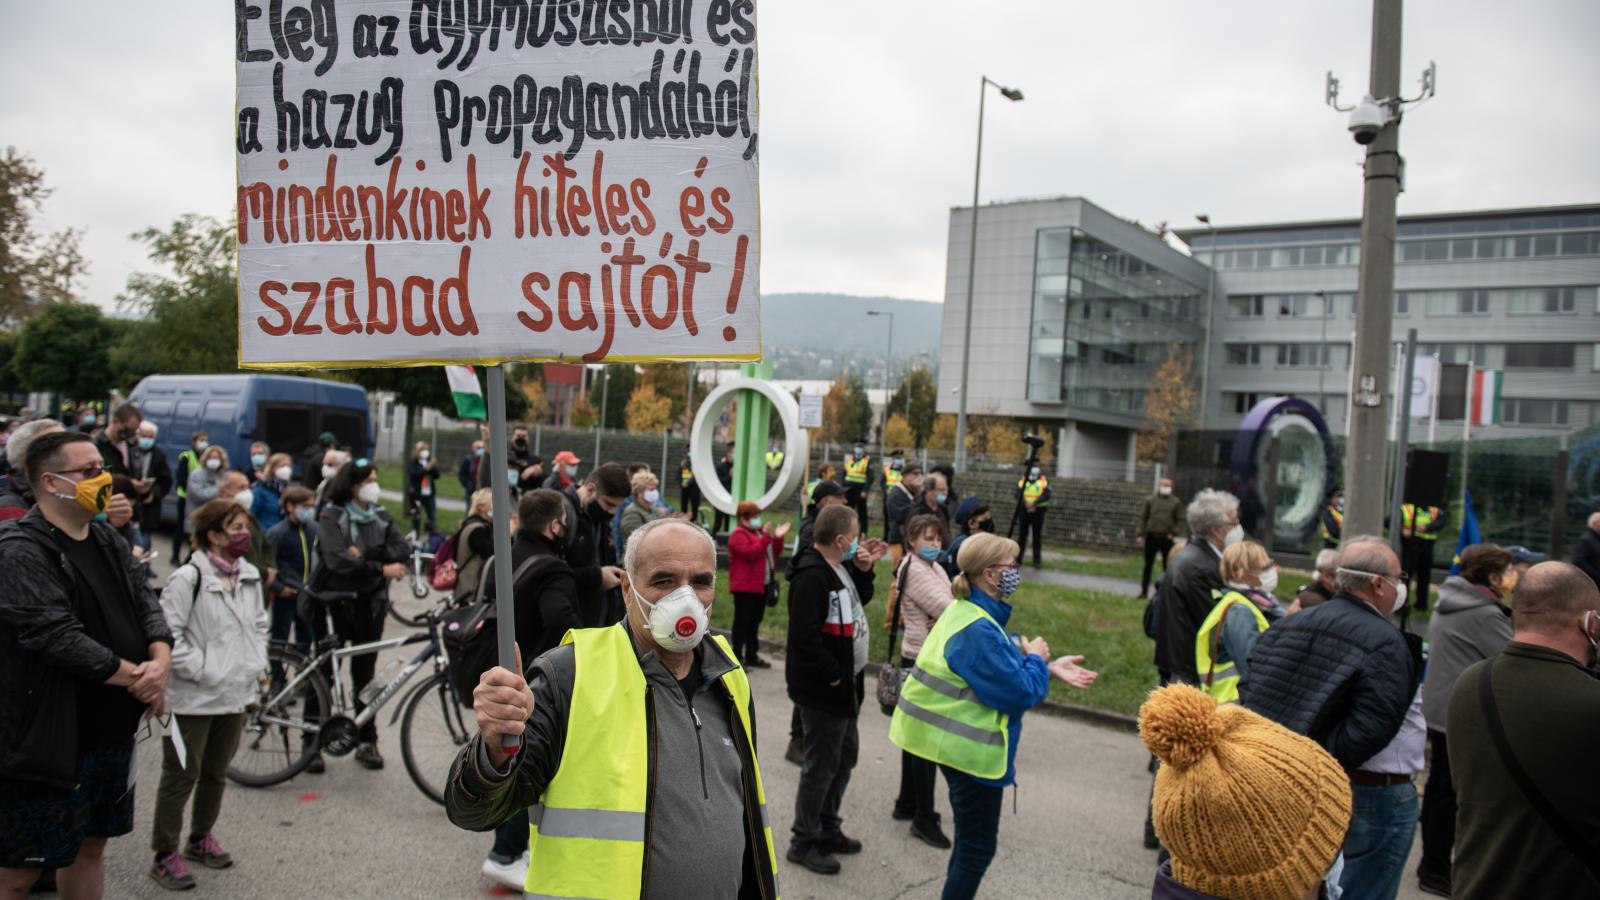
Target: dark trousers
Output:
[
  {"x": 917, "y": 777},
  {"x": 1153, "y": 544},
  {"x": 211, "y": 742},
  {"x": 689, "y": 502},
  {"x": 720, "y": 523},
  {"x": 358, "y": 621},
  {"x": 975, "y": 807},
  {"x": 510, "y": 838},
  {"x": 1418, "y": 566},
  {"x": 1438, "y": 812},
  {"x": 285, "y": 619},
  {"x": 1034, "y": 522},
  {"x": 748, "y": 610},
  {"x": 430, "y": 509},
  {"x": 180, "y": 530},
  {"x": 797, "y": 726},
  {"x": 855, "y": 496},
  {"x": 831, "y": 747}
]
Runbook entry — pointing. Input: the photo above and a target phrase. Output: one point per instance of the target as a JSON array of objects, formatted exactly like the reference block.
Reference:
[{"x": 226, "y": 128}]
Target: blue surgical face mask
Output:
[
  {"x": 145, "y": 443},
  {"x": 928, "y": 552},
  {"x": 258, "y": 459},
  {"x": 940, "y": 498},
  {"x": 850, "y": 552},
  {"x": 304, "y": 514},
  {"x": 755, "y": 521},
  {"x": 477, "y": 451},
  {"x": 200, "y": 446}
]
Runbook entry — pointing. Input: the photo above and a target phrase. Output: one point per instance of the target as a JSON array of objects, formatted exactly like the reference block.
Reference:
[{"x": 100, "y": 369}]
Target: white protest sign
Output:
[
  {"x": 810, "y": 410},
  {"x": 425, "y": 182}
]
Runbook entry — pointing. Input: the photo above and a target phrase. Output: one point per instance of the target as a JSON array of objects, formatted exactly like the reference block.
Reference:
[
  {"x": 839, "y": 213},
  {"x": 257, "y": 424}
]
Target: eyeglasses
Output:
[{"x": 93, "y": 471}]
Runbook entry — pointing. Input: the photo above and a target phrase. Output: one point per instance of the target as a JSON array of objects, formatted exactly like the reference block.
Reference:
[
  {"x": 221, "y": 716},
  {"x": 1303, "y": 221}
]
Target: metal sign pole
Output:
[{"x": 500, "y": 484}]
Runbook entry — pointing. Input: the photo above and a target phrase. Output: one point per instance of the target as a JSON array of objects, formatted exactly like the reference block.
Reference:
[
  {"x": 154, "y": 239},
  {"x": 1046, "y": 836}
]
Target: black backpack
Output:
[{"x": 471, "y": 631}]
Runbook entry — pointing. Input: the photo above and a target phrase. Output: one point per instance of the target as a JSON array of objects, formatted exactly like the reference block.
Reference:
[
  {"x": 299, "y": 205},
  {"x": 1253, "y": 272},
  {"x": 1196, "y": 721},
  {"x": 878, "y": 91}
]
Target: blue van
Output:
[{"x": 286, "y": 411}]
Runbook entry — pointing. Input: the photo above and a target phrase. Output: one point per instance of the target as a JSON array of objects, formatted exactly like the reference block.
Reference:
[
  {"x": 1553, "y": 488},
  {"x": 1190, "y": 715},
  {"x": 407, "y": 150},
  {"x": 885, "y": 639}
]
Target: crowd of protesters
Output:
[{"x": 1287, "y": 741}]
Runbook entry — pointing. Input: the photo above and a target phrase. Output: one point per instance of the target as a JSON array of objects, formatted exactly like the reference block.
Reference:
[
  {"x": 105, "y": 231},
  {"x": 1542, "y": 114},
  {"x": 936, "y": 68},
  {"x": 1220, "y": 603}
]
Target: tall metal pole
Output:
[
  {"x": 972, "y": 272},
  {"x": 888, "y": 377},
  {"x": 1211, "y": 306},
  {"x": 500, "y": 484},
  {"x": 1397, "y": 497},
  {"x": 605, "y": 396},
  {"x": 1364, "y": 460}
]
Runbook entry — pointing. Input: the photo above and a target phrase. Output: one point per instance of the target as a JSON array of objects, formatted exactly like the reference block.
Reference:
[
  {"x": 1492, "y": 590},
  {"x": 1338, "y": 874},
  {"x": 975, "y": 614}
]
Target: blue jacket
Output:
[
  {"x": 266, "y": 506},
  {"x": 1003, "y": 678},
  {"x": 293, "y": 543}
]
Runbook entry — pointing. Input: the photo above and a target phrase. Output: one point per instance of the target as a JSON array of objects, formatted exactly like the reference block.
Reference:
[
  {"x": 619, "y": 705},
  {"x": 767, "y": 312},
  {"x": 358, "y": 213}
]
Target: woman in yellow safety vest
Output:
[
  {"x": 1244, "y": 610},
  {"x": 961, "y": 706}
]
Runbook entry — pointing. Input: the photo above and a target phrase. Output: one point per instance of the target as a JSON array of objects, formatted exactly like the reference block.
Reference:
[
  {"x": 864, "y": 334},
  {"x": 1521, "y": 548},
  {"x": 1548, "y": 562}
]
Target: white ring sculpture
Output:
[{"x": 703, "y": 435}]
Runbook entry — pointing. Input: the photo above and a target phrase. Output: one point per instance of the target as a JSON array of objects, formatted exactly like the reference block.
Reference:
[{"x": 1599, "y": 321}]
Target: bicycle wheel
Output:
[
  {"x": 433, "y": 731},
  {"x": 279, "y": 739},
  {"x": 400, "y": 610}
]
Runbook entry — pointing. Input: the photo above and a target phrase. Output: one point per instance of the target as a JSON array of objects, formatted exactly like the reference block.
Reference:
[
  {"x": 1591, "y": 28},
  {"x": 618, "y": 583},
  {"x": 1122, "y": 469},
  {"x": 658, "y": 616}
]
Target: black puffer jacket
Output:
[
  {"x": 1338, "y": 673},
  {"x": 1185, "y": 601}
]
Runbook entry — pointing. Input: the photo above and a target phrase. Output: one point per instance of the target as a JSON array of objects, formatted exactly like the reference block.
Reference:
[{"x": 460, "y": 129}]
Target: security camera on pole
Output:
[{"x": 1375, "y": 124}]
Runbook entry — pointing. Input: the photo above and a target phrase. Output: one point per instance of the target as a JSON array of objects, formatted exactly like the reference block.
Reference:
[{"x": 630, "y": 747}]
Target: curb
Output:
[{"x": 1089, "y": 715}]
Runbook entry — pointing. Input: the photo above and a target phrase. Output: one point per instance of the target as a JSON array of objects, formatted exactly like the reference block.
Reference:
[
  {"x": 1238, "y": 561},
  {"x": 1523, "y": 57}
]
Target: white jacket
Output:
[{"x": 219, "y": 646}]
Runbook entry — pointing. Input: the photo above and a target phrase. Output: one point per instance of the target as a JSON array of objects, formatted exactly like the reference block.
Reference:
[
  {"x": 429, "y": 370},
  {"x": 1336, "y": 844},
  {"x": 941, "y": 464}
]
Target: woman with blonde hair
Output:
[
  {"x": 1243, "y": 610},
  {"x": 205, "y": 479},
  {"x": 644, "y": 508},
  {"x": 961, "y": 706},
  {"x": 266, "y": 500},
  {"x": 474, "y": 542},
  {"x": 422, "y": 488}
]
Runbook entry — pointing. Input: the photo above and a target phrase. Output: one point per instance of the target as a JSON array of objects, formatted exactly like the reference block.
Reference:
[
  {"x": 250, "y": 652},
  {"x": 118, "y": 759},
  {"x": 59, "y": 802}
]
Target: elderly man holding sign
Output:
[{"x": 612, "y": 729}]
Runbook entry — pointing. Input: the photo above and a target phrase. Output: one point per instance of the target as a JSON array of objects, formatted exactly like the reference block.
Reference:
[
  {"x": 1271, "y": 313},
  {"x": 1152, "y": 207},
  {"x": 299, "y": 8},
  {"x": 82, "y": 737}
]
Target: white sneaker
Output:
[{"x": 513, "y": 874}]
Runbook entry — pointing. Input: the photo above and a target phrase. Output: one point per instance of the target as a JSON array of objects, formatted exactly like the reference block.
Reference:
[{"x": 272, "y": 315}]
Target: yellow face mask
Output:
[{"x": 91, "y": 493}]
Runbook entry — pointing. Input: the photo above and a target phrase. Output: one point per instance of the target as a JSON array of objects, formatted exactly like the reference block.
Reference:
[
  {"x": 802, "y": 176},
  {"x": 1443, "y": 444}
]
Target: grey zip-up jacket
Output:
[
  {"x": 1468, "y": 625},
  {"x": 701, "y": 802}
]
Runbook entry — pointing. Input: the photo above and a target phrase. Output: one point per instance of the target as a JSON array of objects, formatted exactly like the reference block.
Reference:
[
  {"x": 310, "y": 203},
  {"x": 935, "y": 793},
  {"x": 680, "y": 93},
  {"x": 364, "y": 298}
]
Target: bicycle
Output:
[
  {"x": 417, "y": 573},
  {"x": 277, "y": 744}
]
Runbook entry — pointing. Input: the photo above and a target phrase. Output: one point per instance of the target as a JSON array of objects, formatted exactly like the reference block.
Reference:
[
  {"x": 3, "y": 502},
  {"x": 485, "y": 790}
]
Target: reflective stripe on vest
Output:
[
  {"x": 586, "y": 835},
  {"x": 1033, "y": 490},
  {"x": 892, "y": 476},
  {"x": 686, "y": 477},
  {"x": 939, "y": 717},
  {"x": 1221, "y": 682},
  {"x": 855, "y": 470}
]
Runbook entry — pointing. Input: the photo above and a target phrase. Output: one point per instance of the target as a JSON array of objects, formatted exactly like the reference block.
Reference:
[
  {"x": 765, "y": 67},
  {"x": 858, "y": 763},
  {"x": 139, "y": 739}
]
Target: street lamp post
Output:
[
  {"x": 1013, "y": 95},
  {"x": 888, "y": 377},
  {"x": 1211, "y": 304}
]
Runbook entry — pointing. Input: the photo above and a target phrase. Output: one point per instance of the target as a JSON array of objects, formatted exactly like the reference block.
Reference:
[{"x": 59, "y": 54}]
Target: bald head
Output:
[
  {"x": 1594, "y": 522},
  {"x": 232, "y": 482},
  {"x": 678, "y": 539},
  {"x": 1368, "y": 569},
  {"x": 1551, "y": 597}
]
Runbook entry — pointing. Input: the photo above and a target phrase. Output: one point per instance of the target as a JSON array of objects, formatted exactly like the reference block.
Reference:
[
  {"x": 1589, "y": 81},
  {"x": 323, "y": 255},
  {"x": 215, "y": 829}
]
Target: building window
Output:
[
  {"x": 1303, "y": 356},
  {"x": 1303, "y": 306},
  {"x": 1245, "y": 307},
  {"x": 1242, "y": 354},
  {"x": 1454, "y": 354},
  {"x": 1453, "y": 303},
  {"x": 1537, "y": 301},
  {"x": 1540, "y": 356},
  {"x": 1240, "y": 402},
  {"x": 1533, "y": 412}
]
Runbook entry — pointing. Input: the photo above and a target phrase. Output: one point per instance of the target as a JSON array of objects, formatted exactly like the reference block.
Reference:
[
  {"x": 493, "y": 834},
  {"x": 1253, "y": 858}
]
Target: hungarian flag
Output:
[
  {"x": 464, "y": 388},
  {"x": 1469, "y": 531},
  {"x": 1486, "y": 384}
]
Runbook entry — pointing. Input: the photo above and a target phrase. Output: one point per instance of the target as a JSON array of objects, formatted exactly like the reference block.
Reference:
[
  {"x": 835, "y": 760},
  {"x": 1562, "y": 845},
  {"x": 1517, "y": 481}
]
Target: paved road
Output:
[{"x": 1075, "y": 832}]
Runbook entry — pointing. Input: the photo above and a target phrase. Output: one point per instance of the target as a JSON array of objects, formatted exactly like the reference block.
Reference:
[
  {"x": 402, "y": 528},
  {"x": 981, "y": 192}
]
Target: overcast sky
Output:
[{"x": 1155, "y": 109}]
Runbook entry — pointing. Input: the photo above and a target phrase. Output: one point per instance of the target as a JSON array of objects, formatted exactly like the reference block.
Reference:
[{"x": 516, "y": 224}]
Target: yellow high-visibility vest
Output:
[
  {"x": 1222, "y": 683},
  {"x": 774, "y": 458},
  {"x": 1338, "y": 520},
  {"x": 586, "y": 835},
  {"x": 939, "y": 716},
  {"x": 194, "y": 462},
  {"x": 686, "y": 476},
  {"x": 1033, "y": 490},
  {"x": 855, "y": 470},
  {"x": 1417, "y": 521},
  {"x": 892, "y": 474}
]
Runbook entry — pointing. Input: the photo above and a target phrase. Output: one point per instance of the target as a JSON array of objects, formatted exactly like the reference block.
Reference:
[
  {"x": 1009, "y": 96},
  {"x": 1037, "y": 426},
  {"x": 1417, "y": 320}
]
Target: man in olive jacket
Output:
[
  {"x": 1161, "y": 520},
  {"x": 1547, "y": 700}
]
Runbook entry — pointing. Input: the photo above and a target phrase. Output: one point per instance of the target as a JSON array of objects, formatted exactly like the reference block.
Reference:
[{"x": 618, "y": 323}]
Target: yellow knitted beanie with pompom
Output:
[{"x": 1249, "y": 809}]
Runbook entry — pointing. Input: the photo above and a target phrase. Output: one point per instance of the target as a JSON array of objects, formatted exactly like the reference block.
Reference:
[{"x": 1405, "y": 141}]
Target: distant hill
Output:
[{"x": 838, "y": 324}]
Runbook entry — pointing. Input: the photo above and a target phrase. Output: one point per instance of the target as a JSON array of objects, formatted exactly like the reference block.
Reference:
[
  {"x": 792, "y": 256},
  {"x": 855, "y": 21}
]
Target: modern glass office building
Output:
[
  {"x": 1074, "y": 309},
  {"x": 1509, "y": 290}
]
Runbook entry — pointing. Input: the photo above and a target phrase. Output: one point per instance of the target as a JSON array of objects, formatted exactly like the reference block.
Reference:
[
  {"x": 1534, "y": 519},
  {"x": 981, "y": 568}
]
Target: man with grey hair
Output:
[
  {"x": 1185, "y": 594},
  {"x": 1343, "y": 675},
  {"x": 1585, "y": 553},
  {"x": 1321, "y": 586},
  {"x": 605, "y": 765}
]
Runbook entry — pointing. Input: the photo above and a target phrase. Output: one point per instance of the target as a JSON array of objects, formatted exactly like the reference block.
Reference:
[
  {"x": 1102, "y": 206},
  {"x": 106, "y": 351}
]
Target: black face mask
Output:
[
  {"x": 986, "y": 525},
  {"x": 521, "y": 442},
  {"x": 597, "y": 513}
]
